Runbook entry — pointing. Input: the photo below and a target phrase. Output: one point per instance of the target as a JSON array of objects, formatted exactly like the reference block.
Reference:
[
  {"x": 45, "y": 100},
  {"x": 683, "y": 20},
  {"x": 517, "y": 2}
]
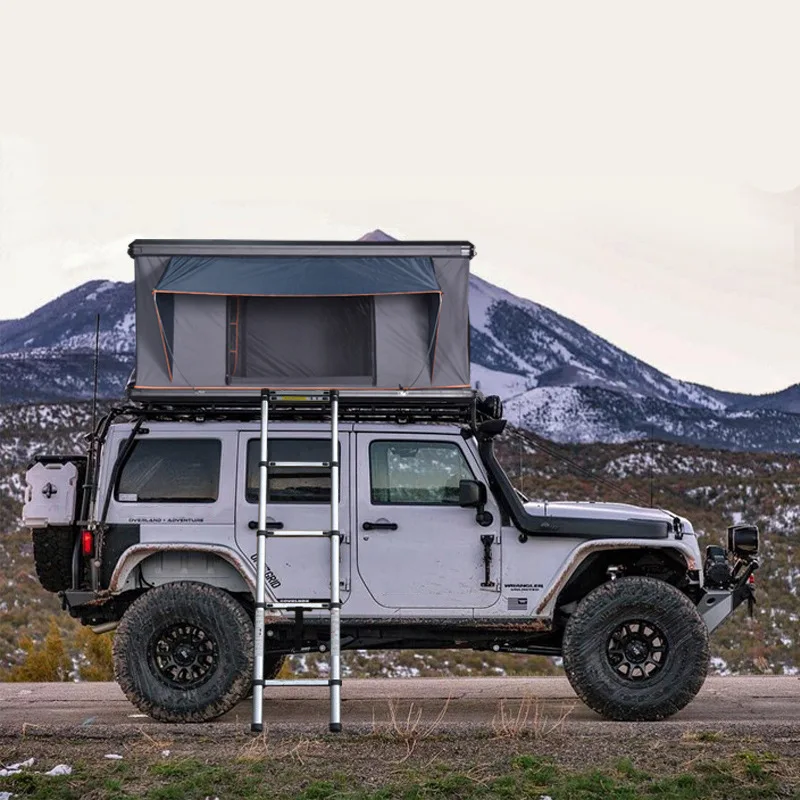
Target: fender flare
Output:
[
  {"x": 583, "y": 551},
  {"x": 137, "y": 553}
]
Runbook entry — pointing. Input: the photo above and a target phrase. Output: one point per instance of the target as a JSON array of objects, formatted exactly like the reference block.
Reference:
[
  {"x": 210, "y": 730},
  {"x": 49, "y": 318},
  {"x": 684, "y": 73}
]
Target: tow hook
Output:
[{"x": 487, "y": 540}]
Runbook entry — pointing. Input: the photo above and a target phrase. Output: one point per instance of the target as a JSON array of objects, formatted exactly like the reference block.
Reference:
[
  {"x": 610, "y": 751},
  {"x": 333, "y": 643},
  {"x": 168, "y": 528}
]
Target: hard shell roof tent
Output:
[{"x": 220, "y": 320}]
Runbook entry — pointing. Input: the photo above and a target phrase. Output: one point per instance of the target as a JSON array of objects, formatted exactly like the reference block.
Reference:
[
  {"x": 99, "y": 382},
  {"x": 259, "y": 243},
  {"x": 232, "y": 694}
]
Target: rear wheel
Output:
[
  {"x": 183, "y": 652},
  {"x": 636, "y": 649},
  {"x": 52, "y": 557}
]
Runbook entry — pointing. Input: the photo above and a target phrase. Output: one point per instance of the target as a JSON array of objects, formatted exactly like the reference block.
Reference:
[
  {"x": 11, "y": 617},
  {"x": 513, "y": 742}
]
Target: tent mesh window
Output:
[{"x": 301, "y": 340}]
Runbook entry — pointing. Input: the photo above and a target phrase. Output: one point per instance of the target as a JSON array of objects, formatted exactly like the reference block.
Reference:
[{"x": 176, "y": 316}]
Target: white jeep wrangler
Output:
[{"x": 437, "y": 549}]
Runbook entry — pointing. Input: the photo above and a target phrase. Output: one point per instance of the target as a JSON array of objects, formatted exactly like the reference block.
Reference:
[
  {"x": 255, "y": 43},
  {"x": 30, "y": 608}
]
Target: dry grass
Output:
[
  {"x": 408, "y": 727},
  {"x": 260, "y": 748},
  {"x": 528, "y": 717}
]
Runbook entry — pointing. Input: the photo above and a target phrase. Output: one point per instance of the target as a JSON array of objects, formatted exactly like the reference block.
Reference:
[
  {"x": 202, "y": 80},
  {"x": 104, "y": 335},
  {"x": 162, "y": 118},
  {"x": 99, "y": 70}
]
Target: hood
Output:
[{"x": 608, "y": 511}]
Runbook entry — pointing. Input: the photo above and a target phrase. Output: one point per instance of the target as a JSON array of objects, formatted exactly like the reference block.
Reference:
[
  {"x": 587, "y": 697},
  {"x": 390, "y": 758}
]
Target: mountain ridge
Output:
[{"x": 556, "y": 376}]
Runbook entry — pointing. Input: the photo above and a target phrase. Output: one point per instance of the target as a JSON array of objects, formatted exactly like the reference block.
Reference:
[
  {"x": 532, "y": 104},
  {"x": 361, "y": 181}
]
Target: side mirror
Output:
[{"x": 471, "y": 494}]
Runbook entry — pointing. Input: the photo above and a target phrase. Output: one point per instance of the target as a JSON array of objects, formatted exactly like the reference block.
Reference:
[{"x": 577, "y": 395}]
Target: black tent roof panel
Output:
[{"x": 242, "y": 247}]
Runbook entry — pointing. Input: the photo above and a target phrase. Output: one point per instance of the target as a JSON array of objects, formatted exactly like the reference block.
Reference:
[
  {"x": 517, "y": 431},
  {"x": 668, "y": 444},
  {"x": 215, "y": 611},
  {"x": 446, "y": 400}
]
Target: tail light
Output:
[{"x": 87, "y": 543}]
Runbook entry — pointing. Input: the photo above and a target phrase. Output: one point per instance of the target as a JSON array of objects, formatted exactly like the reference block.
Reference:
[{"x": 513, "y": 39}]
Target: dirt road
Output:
[{"x": 746, "y": 702}]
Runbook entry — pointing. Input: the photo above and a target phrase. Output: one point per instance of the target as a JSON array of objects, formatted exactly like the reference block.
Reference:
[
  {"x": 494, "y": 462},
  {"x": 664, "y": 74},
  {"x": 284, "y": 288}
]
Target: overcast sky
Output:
[{"x": 628, "y": 165}]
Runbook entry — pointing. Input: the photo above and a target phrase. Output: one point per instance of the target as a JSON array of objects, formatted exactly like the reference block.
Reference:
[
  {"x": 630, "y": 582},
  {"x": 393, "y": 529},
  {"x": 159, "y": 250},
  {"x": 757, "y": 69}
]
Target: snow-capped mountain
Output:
[
  {"x": 67, "y": 324},
  {"x": 566, "y": 383},
  {"x": 557, "y": 378},
  {"x": 48, "y": 356}
]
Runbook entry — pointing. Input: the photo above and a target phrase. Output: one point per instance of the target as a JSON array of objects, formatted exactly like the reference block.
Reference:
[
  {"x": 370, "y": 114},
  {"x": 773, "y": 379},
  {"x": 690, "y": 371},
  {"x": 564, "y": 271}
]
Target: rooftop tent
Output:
[{"x": 220, "y": 320}]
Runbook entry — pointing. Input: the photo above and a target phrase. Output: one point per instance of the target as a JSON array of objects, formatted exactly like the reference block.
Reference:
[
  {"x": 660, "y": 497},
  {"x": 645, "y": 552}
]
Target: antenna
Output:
[
  {"x": 651, "y": 465},
  {"x": 519, "y": 442},
  {"x": 89, "y": 496},
  {"x": 96, "y": 362}
]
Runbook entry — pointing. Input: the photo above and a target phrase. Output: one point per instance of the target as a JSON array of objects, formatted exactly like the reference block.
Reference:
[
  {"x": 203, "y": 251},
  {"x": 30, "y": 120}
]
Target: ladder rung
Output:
[
  {"x": 297, "y": 682},
  {"x": 296, "y": 534},
  {"x": 299, "y": 464},
  {"x": 305, "y": 606}
]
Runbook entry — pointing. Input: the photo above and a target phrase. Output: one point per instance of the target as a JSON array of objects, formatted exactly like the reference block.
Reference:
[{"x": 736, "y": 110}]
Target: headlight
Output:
[{"x": 743, "y": 540}]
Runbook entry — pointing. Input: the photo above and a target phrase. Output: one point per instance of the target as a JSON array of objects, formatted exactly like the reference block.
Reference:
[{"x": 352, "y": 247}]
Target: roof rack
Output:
[{"x": 462, "y": 406}]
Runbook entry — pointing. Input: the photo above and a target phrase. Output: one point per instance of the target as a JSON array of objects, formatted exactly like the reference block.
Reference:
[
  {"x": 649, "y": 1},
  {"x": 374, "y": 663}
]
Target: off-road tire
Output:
[
  {"x": 197, "y": 606},
  {"x": 587, "y": 646},
  {"x": 52, "y": 557}
]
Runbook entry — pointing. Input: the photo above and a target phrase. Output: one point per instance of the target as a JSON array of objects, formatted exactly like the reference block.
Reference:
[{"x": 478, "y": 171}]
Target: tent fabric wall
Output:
[
  {"x": 151, "y": 366},
  {"x": 403, "y": 339},
  {"x": 196, "y": 301},
  {"x": 451, "y": 363},
  {"x": 199, "y": 343}
]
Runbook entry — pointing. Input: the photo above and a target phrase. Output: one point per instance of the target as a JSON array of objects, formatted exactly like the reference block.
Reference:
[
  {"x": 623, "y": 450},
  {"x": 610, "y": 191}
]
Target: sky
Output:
[{"x": 630, "y": 165}]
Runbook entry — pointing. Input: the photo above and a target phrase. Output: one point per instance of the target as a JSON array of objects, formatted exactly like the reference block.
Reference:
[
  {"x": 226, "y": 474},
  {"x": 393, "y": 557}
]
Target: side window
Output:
[
  {"x": 291, "y": 484},
  {"x": 171, "y": 471},
  {"x": 416, "y": 473}
]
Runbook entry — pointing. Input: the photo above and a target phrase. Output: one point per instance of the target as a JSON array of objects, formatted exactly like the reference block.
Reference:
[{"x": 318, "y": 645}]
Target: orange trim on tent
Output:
[
  {"x": 235, "y": 350},
  {"x": 257, "y": 388}
]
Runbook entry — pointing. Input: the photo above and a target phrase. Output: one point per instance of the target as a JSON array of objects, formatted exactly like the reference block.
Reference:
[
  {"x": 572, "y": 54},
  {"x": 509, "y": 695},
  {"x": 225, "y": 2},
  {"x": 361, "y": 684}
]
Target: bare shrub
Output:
[
  {"x": 528, "y": 717},
  {"x": 409, "y": 727}
]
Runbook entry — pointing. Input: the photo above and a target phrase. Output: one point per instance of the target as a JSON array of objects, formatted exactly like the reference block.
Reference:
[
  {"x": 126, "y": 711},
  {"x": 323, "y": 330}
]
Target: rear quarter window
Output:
[{"x": 171, "y": 471}]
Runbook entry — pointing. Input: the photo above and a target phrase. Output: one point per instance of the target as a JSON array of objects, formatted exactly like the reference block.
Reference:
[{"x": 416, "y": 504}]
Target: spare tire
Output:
[
  {"x": 52, "y": 557},
  {"x": 183, "y": 652}
]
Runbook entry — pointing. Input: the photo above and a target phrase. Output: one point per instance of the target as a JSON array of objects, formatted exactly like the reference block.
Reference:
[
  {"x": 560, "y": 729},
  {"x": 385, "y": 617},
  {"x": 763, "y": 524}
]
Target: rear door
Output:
[
  {"x": 417, "y": 548},
  {"x": 298, "y": 498}
]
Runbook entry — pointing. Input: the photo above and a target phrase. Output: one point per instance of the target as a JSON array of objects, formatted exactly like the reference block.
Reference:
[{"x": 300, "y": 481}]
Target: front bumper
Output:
[
  {"x": 728, "y": 575},
  {"x": 716, "y": 605}
]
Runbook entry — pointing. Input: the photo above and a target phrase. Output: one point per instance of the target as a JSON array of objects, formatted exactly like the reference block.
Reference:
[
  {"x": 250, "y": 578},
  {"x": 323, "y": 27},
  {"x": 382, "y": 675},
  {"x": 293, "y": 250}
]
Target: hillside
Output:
[
  {"x": 713, "y": 488},
  {"x": 558, "y": 378}
]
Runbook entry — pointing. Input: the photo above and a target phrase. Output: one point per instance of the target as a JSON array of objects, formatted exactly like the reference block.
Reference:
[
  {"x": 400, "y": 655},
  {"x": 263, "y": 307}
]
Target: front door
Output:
[
  {"x": 417, "y": 548},
  {"x": 298, "y": 498}
]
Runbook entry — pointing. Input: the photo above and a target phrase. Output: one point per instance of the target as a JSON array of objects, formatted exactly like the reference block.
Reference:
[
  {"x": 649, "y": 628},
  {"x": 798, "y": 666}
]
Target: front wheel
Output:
[
  {"x": 183, "y": 652},
  {"x": 636, "y": 649}
]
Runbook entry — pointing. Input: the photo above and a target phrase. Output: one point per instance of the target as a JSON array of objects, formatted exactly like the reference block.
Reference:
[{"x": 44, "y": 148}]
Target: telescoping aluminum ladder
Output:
[{"x": 334, "y": 681}]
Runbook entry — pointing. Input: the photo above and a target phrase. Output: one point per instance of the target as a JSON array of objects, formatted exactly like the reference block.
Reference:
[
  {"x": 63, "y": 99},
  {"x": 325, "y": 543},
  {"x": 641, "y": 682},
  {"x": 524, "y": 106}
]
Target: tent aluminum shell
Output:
[{"x": 220, "y": 320}]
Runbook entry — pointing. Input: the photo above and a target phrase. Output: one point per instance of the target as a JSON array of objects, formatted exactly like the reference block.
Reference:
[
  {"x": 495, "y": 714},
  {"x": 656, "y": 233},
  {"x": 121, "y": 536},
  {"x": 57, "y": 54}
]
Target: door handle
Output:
[
  {"x": 271, "y": 526},
  {"x": 379, "y": 526}
]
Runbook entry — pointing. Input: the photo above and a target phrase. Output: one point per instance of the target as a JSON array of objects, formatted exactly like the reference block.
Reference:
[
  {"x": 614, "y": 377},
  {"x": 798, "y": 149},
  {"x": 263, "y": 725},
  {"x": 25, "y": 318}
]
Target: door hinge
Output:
[
  {"x": 487, "y": 540},
  {"x": 344, "y": 586}
]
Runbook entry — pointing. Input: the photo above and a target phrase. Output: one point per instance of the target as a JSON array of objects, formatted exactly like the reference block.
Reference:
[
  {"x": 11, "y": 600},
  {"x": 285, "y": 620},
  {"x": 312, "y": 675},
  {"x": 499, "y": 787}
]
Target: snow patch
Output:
[{"x": 60, "y": 769}]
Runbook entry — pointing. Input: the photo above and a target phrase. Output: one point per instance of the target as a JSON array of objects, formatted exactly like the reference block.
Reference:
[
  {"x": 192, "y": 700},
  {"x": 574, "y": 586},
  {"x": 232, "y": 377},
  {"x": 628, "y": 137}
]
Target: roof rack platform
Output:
[{"x": 457, "y": 406}]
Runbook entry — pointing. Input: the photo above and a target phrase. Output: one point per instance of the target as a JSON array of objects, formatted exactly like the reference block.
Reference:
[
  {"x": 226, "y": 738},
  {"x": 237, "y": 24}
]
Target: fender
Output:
[
  {"x": 134, "y": 556},
  {"x": 582, "y": 551}
]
